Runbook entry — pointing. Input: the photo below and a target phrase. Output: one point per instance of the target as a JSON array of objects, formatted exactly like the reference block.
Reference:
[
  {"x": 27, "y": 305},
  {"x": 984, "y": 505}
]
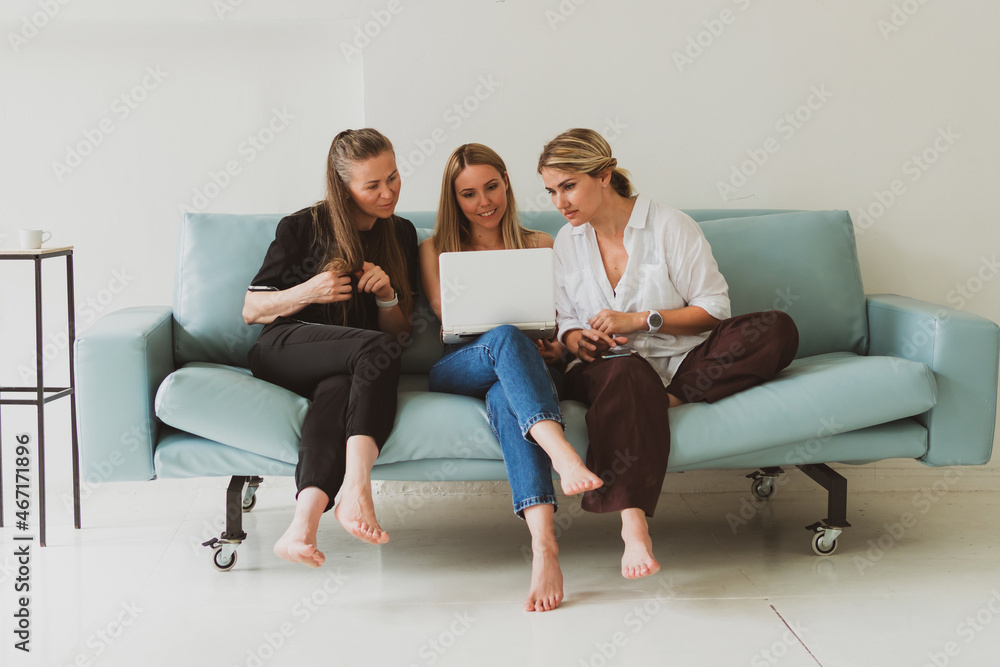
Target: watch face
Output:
[{"x": 655, "y": 320}]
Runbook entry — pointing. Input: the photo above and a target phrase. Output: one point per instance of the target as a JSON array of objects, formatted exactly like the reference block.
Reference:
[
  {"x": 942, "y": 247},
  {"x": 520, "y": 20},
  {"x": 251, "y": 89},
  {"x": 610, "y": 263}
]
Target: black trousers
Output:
[{"x": 351, "y": 377}]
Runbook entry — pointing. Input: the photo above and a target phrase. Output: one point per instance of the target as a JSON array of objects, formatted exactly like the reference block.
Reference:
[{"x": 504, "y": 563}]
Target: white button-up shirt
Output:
[{"x": 670, "y": 266}]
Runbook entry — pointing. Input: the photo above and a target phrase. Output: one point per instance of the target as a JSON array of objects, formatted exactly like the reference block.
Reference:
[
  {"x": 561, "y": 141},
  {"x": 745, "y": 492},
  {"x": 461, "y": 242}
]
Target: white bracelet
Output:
[{"x": 387, "y": 304}]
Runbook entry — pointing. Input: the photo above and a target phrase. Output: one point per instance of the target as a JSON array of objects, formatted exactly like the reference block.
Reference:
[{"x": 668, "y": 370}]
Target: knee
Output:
[
  {"x": 507, "y": 336},
  {"x": 507, "y": 333},
  {"x": 785, "y": 331}
]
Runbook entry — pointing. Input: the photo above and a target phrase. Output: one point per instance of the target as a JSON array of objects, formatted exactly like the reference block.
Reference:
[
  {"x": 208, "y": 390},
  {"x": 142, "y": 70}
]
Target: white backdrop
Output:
[{"x": 114, "y": 115}]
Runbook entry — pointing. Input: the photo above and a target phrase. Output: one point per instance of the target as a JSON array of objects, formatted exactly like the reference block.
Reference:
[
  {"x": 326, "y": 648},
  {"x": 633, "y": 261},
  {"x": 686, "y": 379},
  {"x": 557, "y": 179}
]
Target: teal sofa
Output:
[{"x": 164, "y": 392}]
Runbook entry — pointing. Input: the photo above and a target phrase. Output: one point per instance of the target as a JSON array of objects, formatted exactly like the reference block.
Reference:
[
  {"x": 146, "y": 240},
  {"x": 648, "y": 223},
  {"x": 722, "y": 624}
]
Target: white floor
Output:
[{"x": 134, "y": 587}]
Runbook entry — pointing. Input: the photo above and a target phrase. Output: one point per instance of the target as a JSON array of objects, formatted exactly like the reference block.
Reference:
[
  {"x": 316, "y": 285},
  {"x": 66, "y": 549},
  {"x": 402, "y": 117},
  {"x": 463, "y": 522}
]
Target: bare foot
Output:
[
  {"x": 546, "y": 579},
  {"x": 575, "y": 477},
  {"x": 573, "y": 474},
  {"x": 638, "y": 560},
  {"x": 297, "y": 545},
  {"x": 356, "y": 513}
]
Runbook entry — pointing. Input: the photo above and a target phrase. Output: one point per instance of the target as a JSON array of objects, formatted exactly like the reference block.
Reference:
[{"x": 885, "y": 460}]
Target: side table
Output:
[{"x": 43, "y": 394}]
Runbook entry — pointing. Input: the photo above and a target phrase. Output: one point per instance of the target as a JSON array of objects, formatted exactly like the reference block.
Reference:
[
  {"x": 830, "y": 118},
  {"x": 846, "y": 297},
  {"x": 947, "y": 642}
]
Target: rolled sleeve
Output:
[
  {"x": 716, "y": 305},
  {"x": 698, "y": 279}
]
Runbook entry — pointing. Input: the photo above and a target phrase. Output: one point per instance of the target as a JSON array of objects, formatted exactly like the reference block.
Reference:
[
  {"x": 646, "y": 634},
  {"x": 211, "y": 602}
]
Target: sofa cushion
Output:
[
  {"x": 217, "y": 257},
  {"x": 229, "y": 405},
  {"x": 812, "y": 400},
  {"x": 804, "y": 263}
]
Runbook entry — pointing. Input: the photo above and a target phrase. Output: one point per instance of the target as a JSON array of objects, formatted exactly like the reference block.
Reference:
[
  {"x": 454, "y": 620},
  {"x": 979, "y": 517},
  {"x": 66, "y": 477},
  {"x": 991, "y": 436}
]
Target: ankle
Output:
[
  {"x": 545, "y": 547},
  {"x": 357, "y": 483}
]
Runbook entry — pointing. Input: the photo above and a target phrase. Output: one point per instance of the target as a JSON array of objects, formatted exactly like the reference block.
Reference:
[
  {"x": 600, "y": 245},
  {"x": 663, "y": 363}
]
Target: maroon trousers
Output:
[{"x": 627, "y": 418}]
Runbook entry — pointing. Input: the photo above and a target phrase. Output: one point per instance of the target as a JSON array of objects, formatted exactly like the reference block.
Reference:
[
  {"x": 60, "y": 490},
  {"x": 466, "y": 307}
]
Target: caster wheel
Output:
[
  {"x": 820, "y": 546},
  {"x": 249, "y": 504},
  {"x": 223, "y": 566},
  {"x": 762, "y": 488}
]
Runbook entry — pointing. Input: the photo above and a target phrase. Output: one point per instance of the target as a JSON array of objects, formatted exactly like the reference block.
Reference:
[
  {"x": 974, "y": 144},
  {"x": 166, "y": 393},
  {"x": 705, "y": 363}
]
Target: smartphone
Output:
[{"x": 618, "y": 351}]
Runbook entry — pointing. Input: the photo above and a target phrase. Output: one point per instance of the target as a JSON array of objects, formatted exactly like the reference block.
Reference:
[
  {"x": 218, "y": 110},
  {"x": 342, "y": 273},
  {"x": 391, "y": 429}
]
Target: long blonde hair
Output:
[
  {"x": 452, "y": 229},
  {"x": 333, "y": 220},
  {"x": 583, "y": 151}
]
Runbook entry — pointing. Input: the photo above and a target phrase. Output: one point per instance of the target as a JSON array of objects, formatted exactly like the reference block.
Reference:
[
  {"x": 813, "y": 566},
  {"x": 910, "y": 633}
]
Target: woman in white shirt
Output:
[{"x": 640, "y": 278}]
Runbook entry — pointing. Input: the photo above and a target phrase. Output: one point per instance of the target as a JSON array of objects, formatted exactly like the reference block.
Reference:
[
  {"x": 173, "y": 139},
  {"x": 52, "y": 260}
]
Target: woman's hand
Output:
[
  {"x": 373, "y": 279},
  {"x": 613, "y": 322},
  {"x": 550, "y": 350},
  {"x": 326, "y": 287},
  {"x": 590, "y": 344}
]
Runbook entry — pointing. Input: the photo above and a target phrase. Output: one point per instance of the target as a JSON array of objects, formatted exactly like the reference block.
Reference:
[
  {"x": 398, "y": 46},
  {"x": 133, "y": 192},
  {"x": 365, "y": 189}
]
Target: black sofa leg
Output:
[
  {"x": 224, "y": 548},
  {"x": 829, "y": 529}
]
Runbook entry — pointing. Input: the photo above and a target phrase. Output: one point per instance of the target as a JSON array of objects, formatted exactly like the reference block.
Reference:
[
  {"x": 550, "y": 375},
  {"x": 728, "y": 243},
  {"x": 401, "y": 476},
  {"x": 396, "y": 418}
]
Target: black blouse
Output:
[{"x": 293, "y": 258}]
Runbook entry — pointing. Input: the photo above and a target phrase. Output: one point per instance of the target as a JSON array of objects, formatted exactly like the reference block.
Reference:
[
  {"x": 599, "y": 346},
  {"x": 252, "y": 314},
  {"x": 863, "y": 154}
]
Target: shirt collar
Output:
[{"x": 640, "y": 211}]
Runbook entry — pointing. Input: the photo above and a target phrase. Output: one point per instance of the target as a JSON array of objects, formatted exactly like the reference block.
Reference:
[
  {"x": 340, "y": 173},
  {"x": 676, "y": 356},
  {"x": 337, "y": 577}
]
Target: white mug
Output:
[{"x": 32, "y": 239}]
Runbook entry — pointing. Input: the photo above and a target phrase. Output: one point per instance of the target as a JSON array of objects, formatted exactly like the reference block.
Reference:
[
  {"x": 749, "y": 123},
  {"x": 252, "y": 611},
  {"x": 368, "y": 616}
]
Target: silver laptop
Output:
[{"x": 483, "y": 289}]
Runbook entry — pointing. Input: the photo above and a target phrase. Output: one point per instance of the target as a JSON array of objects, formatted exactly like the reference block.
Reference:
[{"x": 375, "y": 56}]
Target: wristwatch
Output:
[
  {"x": 387, "y": 304},
  {"x": 654, "y": 321}
]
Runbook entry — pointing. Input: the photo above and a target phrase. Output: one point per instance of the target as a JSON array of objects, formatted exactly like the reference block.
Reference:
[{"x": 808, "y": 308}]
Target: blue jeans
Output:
[{"x": 504, "y": 367}]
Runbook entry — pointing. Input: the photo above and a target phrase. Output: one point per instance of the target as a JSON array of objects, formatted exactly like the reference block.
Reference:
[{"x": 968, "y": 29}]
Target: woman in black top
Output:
[{"x": 335, "y": 290}]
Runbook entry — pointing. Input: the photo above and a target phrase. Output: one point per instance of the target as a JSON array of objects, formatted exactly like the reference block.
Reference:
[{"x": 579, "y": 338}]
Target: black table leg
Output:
[
  {"x": 40, "y": 397},
  {"x": 70, "y": 300}
]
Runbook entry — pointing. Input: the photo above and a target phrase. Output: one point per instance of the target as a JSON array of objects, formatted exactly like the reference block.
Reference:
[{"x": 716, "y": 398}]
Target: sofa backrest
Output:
[{"x": 802, "y": 262}]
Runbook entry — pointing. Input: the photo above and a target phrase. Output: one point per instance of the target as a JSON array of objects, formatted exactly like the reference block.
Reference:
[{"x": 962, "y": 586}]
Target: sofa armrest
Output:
[
  {"x": 120, "y": 362},
  {"x": 963, "y": 350}
]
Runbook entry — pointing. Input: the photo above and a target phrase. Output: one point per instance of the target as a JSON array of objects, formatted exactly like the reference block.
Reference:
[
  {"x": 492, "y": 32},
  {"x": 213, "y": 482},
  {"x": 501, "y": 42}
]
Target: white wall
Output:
[{"x": 538, "y": 68}]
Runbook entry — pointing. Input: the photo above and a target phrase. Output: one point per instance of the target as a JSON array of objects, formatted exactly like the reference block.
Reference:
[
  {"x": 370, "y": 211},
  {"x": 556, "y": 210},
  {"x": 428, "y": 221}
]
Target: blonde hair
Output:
[
  {"x": 583, "y": 151},
  {"x": 452, "y": 229},
  {"x": 333, "y": 220}
]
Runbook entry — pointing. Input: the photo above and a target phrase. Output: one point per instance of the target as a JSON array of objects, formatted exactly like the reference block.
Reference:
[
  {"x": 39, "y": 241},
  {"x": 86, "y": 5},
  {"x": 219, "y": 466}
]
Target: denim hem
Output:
[
  {"x": 541, "y": 416},
  {"x": 536, "y": 500}
]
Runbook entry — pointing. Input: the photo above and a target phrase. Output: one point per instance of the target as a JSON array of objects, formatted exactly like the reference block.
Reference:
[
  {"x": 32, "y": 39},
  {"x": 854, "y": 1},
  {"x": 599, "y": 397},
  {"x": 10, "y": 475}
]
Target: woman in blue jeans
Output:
[{"x": 477, "y": 212}]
